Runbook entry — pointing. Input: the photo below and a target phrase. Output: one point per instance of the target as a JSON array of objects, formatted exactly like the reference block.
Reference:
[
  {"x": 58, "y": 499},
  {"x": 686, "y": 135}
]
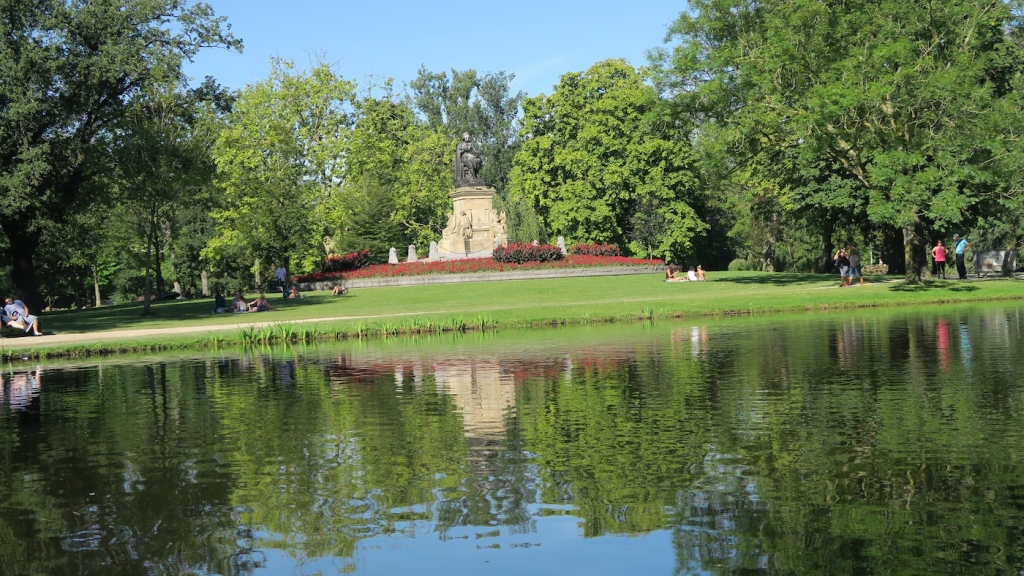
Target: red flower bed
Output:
[
  {"x": 523, "y": 253},
  {"x": 596, "y": 250},
  {"x": 352, "y": 261},
  {"x": 473, "y": 265}
]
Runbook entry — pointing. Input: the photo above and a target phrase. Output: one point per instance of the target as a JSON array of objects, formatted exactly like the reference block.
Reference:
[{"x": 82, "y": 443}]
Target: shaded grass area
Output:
[{"x": 384, "y": 312}]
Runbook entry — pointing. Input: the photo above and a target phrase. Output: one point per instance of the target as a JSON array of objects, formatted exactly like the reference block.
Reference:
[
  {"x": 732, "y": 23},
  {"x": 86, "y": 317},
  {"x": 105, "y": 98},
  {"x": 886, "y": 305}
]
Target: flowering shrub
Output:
[
  {"x": 596, "y": 250},
  {"x": 473, "y": 265},
  {"x": 351, "y": 261},
  {"x": 521, "y": 253}
]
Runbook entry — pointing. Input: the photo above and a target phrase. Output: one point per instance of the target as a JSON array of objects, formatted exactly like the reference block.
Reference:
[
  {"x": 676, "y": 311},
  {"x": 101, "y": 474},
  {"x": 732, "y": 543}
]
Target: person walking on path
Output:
[
  {"x": 939, "y": 256},
  {"x": 960, "y": 245},
  {"x": 282, "y": 277},
  {"x": 855, "y": 264},
  {"x": 843, "y": 263}
]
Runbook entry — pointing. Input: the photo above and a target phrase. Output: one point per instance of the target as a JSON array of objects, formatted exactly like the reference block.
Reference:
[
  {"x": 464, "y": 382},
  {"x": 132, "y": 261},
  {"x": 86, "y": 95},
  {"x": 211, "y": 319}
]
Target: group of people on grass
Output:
[
  {"x": 240, "y": 304},
  {"x": 941, "y": 254},
  {"x": 674, "y": 274},
  {"x": 16, "y": 315}
]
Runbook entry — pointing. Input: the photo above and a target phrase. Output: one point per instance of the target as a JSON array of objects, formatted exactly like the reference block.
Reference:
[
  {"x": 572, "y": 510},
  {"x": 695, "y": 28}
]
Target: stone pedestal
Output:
[{"x": 473, "y": 227}]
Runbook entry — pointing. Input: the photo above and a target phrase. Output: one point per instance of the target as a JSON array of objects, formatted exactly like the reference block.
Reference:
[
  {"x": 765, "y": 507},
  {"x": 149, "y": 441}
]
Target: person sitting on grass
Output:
[
  {"x": 294, "y": 292},
  {"x": 261, "y": 305},
  {"x": 339, "y": 290},
  {"x": 239, "y": 304},
  {"x": 672, "y": 276},
  {"x": 220, "y": 304},
  {"x": 16, "y": 316},
  {"x": 700, "y": 274},
  {"x": 691, "y": 275}
]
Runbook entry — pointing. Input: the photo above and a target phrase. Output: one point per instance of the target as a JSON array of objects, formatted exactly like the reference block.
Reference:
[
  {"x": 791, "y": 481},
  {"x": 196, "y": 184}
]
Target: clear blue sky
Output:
[{"x": 536, "y": 40}]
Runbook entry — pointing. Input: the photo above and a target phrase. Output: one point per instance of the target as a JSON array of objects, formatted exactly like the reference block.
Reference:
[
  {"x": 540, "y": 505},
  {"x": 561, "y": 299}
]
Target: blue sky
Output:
[{"x": 537, "y": 41}]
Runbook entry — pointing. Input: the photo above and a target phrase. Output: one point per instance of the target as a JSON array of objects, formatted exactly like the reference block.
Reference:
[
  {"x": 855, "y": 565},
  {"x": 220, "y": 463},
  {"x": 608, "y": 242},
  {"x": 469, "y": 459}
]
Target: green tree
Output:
[
  {"x": 594, "y": 150},
  {"x": 892, "y": 92},
  {"x": 68, "y": 70},
  {"x": 280, "y": 161}
]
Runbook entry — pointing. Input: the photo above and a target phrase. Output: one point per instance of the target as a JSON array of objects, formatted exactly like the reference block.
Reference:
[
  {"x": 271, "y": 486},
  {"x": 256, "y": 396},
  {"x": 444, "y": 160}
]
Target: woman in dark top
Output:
[{"x": 843, "y": 263}]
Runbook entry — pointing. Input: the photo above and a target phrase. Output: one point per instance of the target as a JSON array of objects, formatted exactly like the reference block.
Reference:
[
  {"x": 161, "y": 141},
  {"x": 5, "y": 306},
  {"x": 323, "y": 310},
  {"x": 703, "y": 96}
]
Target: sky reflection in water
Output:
[{"x": 869, "y": 442}]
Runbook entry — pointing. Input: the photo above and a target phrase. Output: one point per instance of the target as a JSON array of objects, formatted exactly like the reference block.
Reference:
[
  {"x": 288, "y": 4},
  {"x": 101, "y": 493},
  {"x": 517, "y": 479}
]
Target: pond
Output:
[{"x": 878, "y": 441}]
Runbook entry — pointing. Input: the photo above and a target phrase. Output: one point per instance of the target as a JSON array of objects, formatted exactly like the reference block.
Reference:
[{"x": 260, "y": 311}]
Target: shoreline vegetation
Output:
[{"x": 424, "y": 310}]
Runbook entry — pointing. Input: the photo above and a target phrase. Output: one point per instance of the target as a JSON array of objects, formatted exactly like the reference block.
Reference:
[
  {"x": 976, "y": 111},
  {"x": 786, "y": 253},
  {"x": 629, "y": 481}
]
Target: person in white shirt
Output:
[{"x": 16, "y": 315}]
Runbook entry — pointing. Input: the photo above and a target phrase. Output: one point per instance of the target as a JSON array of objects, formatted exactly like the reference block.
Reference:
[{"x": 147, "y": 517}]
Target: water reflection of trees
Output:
[{"x": 838, "y": 445}]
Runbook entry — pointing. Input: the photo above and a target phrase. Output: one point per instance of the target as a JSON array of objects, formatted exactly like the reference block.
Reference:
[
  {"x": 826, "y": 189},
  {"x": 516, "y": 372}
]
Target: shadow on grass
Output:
[
  {"x": 933, "y": 285},
  {"x": 776, "y": 279},
  {"x": 128, "y": 316}
]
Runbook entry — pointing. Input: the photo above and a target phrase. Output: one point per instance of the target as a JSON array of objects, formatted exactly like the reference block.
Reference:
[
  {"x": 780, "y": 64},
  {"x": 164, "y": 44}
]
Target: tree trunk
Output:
[
  {"x": 915, "y": 252},
  {"x": 204, "y": 281},
  {"x": 768, "y": 255},
  {"x": 256, "y": 267},
  {"x": 147, "y": 291},
  {"x": 22, "y": 247},
  {"x": 895, "y": 256},
  {"x": 158, "y": 266},
  {"x": 827, "y": 248},
  {"x": 96, "y": 286}
]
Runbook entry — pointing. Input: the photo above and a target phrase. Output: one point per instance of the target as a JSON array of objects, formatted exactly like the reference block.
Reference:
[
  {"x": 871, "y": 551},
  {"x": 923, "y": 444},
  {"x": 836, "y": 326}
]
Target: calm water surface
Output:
[{"x": 868, "y": 443}]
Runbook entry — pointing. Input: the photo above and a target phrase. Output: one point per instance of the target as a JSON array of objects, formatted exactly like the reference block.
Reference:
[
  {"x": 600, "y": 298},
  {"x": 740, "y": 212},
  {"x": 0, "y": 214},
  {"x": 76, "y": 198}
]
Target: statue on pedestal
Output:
[{"x": 467, "y": 164}]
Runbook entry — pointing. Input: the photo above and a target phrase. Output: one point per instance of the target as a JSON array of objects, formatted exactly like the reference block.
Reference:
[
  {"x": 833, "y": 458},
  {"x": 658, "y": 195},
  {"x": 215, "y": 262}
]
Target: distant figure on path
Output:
[
  {"x": 855, "y": 264},
  {"x": 282, "y": 277},
  {"x": 960, "y": 245},
  {"x": 939, "y": 257},
  {"x": 843, "y": 264}
]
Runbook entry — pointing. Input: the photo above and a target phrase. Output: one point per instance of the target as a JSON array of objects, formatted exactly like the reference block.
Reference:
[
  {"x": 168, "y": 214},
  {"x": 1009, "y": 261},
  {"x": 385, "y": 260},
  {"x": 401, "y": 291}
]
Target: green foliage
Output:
[
  {"x": 280, "y": 164},
  {"x": 593, "y": 152},
  {"x": 69, "y": 72},
  {"x": 900, "y": 111}
]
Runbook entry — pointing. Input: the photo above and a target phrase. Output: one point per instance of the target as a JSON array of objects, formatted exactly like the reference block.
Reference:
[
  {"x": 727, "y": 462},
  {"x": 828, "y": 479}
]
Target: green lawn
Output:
[{"x": 523, "y": 302}]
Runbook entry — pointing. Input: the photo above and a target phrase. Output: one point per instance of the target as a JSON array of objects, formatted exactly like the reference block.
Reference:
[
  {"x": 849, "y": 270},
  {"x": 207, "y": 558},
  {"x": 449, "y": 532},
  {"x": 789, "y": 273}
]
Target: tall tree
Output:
[
  {"x": 594, "y": 151},
  {"x": 892, "y": 92},
  {"x": 68, "y": 69},
  {"x": 280, "y": 161}
]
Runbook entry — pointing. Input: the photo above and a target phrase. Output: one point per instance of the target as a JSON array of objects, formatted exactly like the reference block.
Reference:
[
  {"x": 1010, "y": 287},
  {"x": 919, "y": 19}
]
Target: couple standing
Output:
[
  {"x": 849, "y": 264},
  {"x": 940, "y": 254}
]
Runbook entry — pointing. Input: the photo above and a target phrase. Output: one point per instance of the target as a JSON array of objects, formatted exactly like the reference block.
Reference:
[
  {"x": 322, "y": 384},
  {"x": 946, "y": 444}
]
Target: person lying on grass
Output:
[
  {"x": 339, "y": 290},
  {"x": 261, "y": 305},
  {"x": 16, "y": 316}
]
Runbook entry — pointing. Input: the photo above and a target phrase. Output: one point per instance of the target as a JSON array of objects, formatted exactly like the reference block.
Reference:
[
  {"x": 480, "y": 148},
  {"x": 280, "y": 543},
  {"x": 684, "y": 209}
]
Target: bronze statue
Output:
[{"x": 467, "y": 164}]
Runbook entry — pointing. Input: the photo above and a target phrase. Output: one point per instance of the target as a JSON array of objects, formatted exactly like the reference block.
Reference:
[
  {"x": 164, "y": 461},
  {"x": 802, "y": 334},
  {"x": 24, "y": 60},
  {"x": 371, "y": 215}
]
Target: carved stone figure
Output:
[
  {"x": 464, "y": 228},
  {"x": 329, "y": 246},
  {"x": 392, "y": 256},
  {"x": 411, "y": 254},
  {"x": 467, "y": 164},
  {"x": 498, "y": 226}
]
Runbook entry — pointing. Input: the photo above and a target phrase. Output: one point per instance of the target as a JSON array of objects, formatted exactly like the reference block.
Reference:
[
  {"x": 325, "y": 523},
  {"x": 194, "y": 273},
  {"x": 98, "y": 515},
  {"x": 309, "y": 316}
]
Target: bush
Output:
[
  {"x": 596, "y": 250},
  {"x": 743, "y": 265},
  {"x": 346, "y": 263},
  {"x": 519, "y": 253}
]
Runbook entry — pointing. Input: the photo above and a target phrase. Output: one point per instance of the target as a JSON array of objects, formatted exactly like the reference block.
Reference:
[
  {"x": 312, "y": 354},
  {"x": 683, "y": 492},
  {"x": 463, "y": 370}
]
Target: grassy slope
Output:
[{"x": 526, "y": 301}]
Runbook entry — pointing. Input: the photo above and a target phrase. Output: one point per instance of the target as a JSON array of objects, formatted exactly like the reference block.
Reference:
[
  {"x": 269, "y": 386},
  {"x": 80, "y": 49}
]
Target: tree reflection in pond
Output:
[{"x": 863, "y": 443}]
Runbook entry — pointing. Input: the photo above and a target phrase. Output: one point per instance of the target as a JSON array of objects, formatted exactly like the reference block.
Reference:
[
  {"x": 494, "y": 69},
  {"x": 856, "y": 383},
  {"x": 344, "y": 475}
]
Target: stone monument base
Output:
[{"x": 473, "y": 227}]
